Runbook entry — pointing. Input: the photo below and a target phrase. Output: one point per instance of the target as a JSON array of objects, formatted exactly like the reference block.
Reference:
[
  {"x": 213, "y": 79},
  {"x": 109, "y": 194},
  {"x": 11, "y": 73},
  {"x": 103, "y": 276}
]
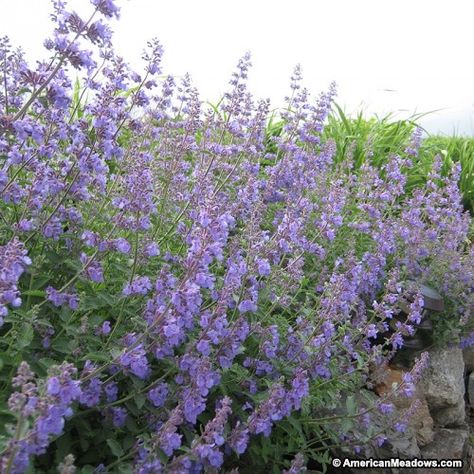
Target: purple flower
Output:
[
  {"x": 203, "y": 347},
  {"x": 416, "y": 309},
  {"x": 299, "y": 388},
  {"x": 52, "y": 423},
  {"x": 210, "y": 454},
  {"x": 467, "y": 341},
  {"x": 53, "y": 386},
  {"x": 59, "y": 299},
  {"x": 408, "y": 387},
  {"x": 90, "y": 395},
  {"x": 170, "y": 442},
  {"x": 214, "y": 430},
  {"x": 135, "y": 361},
  {"x": 107, "y": 7},
  {"x": 122, "y": 245},
  {"x": 111, "y": 391},
  {"x": 239, "y": 438},
  {"x": 385, "y": 408},
  {"x": 25, "y": 225},
  {"x": 400, "y": 426},
  {"x": 263, "y": 267},
  {"x": 90, "y": 238},
  {"x": 247, "y": 306},
  {"x": 98, "y": 32},
  {"x": 415, "y": 142},
  {"x": 372, "y": 331},
  {"x": 297, "y": 465},
  {"x": 105, "y": 330},
  {"x": 139, "y": 286},
  {"x": 50, "y": 410},
  {"x": 73, "y": 301},
  {"x": 158, "y": 394},
  {"x": 274, "y": 408},
  {"x": 95, "y": 273},
  {"x": 119, "y": 416},
  {"x": 230, "y": 203},
  {"x": 93, "y": 270},
  {"x": 167, "y": 437},
  {"x": 152, "y": 250},
  {"x": 14, "y": 261},
  {"x": 194, "y": 405}
]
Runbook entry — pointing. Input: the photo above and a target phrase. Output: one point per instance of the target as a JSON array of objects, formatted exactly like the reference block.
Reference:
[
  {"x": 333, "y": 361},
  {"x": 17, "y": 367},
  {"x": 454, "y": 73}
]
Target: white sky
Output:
[{"x": 421, "y": 50}]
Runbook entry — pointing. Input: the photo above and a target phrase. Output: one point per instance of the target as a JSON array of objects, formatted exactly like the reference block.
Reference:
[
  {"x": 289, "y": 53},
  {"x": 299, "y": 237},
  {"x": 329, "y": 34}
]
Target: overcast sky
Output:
[{"x": 404, "y": 56}]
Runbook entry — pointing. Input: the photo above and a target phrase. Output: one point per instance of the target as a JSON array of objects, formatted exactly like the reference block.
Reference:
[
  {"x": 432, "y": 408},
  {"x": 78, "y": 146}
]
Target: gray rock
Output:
[
  {"x": 448, "y": 444},
  {"x": 400, "y": 445},
  {"x": 422, "y": 423},
  {"x": 443, "y": 380},
  {"x": 470, "y": 389},
  {"x": 450, "y": 416},
  {"x": 468, "y": 356}
]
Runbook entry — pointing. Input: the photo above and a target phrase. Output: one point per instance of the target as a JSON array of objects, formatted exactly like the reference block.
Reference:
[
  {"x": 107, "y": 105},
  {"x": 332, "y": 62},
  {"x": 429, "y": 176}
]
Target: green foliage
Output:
[
  {"x": 364, "y": 139},
  {"x": 455, "y": 149}
]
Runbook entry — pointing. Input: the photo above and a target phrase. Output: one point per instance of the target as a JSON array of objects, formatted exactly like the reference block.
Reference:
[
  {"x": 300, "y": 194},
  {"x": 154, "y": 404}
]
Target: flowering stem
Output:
[
  {"x": 61, "y": 61},
  {"x": 132, "y": 275},
  {"x": 15, "y": 439}
]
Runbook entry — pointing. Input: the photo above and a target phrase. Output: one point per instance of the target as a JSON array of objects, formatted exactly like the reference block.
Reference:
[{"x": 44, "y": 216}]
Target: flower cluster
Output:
[
  {"x": 48, "y": 406},
  {"x": 14, "y": 261}
]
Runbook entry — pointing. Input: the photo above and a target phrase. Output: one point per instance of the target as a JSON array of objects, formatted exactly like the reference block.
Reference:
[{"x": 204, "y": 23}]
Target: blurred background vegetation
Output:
[{"x": 377, "y": 138}]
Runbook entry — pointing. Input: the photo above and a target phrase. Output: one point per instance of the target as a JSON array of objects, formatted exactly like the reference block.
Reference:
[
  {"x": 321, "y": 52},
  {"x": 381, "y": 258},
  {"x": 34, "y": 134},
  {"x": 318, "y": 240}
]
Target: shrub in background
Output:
[{"x": 177, "y": 298}]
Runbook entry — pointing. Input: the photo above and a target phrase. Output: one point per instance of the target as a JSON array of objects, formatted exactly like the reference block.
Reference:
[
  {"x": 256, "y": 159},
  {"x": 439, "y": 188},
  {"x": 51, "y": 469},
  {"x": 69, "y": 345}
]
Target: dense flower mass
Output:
[
  {"x": 184, "y": 288},
  {"x": 14, "y": 261}
]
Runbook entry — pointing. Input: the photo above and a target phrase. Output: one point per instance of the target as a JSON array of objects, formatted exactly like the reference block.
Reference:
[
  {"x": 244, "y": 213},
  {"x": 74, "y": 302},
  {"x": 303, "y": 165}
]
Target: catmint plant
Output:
[{"x": 181, "y": 292}]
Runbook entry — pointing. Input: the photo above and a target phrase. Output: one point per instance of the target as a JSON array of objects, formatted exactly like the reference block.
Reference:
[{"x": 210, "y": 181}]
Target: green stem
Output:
[{"x": 19, "y": 426}]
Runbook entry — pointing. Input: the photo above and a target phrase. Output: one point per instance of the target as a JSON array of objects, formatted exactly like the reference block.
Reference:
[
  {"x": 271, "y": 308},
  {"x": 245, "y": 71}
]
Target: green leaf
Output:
[
  {"x": 63, "y": 444},
  {"x": 296, "y": 425},
  {"x": 47, "y": 362},
  {"x": 65, "y": 314},
  {"x": 26, "y": 336},
  {"x": 34, "y": 293},
  {"x": 97, "y": 356},
  {"x": 351, "y": 405},
  {"x": 98, "y": 301},
  {"x": 62, "y": 345},
  {"x": 346, "y": 425},
  {"x": 132, "y": 426},
  {"x": 125, "y": 469},
  {"x": 115, "y": 447},
  {"x": 39, "y": 282},
  {"x": 30, "y": 470},
  {"x": 87, "y": 470},
  {"x": 84, "y": 427},
  {"x": 140, "y": 400}
]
